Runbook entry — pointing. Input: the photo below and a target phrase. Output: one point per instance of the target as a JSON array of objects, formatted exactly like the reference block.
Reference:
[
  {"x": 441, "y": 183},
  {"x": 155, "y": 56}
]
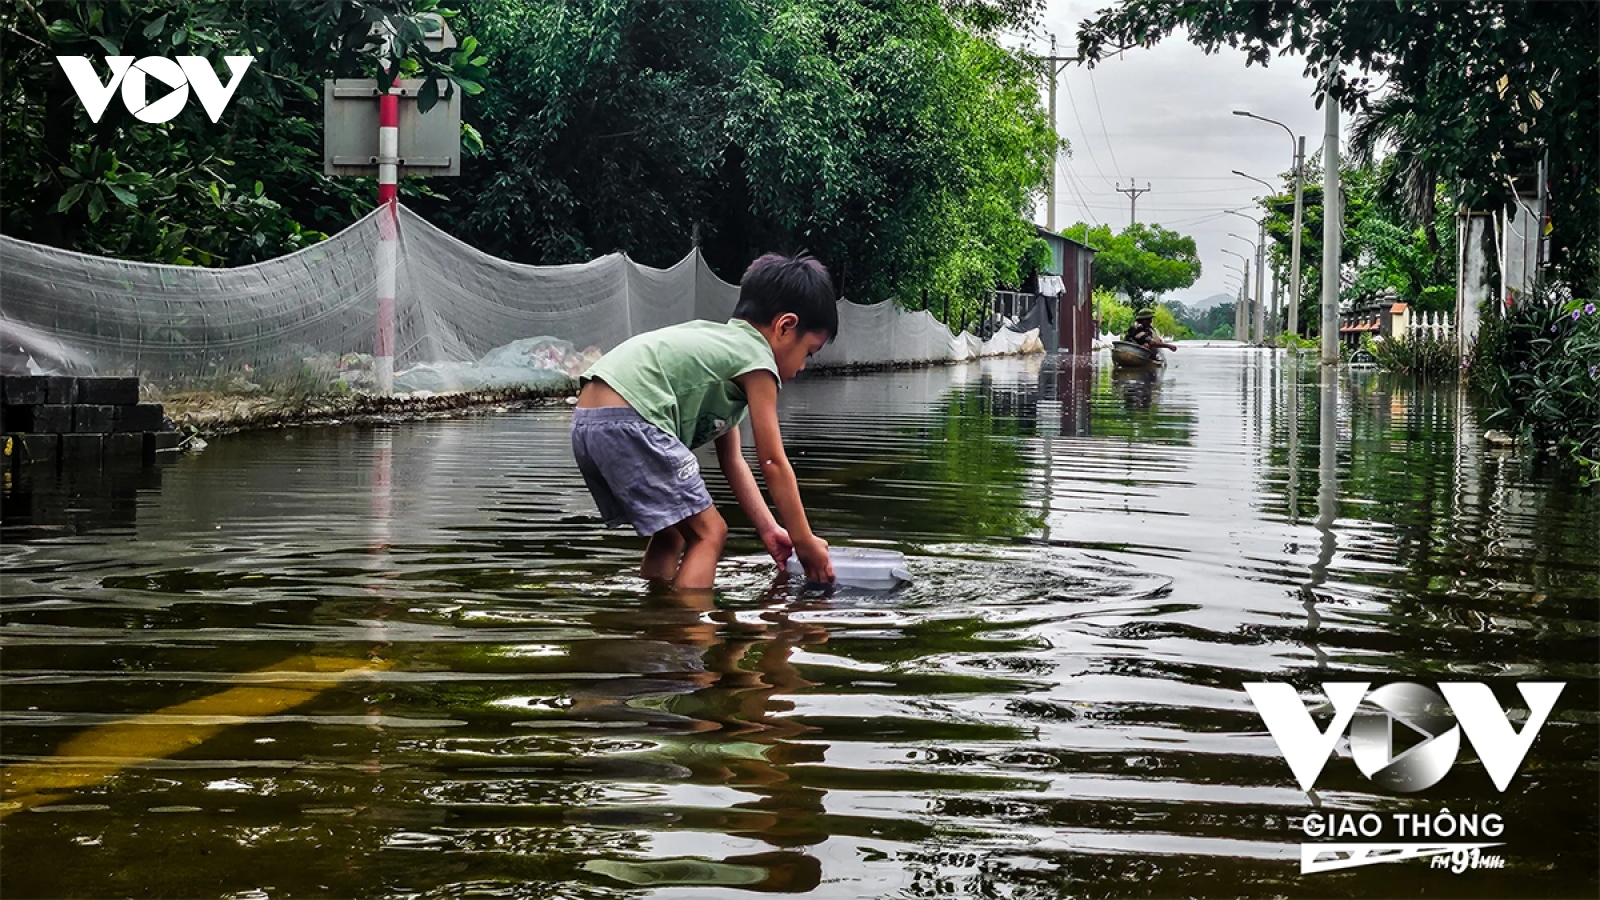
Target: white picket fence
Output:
[{"x": 1436, "y": 325}]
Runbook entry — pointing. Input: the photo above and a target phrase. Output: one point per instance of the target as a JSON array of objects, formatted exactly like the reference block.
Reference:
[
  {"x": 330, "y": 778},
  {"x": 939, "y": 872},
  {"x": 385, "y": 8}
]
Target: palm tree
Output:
[{"x": 1410, "y": 180}]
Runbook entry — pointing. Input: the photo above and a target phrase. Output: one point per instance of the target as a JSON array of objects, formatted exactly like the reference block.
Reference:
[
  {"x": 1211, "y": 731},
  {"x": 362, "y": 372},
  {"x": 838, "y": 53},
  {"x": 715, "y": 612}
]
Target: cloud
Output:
[{"x": 1164, "y": 116}]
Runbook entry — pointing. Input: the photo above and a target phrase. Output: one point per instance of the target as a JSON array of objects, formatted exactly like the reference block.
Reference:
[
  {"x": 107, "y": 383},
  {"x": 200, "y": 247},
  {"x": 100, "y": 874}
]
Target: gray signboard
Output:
[{"x": 430, "y": 143}]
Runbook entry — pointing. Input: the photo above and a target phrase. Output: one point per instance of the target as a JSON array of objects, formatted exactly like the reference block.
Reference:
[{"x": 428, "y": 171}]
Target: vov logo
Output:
[
  {"x": 133, "y": 77},
  {"x": 1421, "y": 713}
]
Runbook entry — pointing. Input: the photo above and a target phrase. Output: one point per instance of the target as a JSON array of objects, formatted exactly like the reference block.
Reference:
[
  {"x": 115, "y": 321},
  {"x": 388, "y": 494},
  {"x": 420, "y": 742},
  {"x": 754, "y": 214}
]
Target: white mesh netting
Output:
[{"x": 461, "y": 319}]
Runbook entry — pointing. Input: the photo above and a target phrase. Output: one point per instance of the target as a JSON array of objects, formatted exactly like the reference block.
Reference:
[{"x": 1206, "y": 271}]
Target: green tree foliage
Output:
[
  {"x": 1116, "y": 317},
  {"x": 895, "y": 139},
  {"x": 245, "y": 188},
  {"x": 1207, "y": 322},
  {"x": 1144, "y": 261},
  {"x": 1482, "y": 85},
  {"x": 899, "y": 145},
  {"x": 1168, "y": 326},
  {"x": 1382, "y": 248},
  {"x": 1405, "y": 239},
  {"x": 604, "y": 129},
  {"x": 1408, "y": 182}
]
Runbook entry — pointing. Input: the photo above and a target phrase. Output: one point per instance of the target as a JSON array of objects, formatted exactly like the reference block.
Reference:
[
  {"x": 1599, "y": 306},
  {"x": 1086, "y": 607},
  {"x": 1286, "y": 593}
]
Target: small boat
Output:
[{"x": 1125, "y": 355}]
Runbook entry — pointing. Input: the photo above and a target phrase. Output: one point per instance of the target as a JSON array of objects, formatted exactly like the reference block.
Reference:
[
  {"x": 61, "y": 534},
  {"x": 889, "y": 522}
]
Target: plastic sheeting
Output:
[{"x": 461, "y": 319}]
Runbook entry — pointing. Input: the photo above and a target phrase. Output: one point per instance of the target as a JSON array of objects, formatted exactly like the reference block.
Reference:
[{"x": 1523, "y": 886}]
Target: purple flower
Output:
[
  {"x": 1575, "y": 314},
  {"x": 1552, "y": 329},
  {"x": 1593, "y": 370},
  {"x": 1523, "y": 366},
  {"x": 1588, "y": 309}
]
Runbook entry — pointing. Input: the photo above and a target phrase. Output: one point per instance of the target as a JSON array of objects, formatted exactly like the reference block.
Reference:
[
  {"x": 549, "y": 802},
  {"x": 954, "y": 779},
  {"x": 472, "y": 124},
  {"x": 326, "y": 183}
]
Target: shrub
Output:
[
  {"x": 1413, "y": 355},
  {"x": 1294, "y": 341},
  {"x": 1539, "y": 364}
]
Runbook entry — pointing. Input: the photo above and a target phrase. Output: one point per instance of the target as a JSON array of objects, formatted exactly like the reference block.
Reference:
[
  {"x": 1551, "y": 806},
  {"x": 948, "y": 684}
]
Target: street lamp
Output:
[
  {"x": 1257, "y": 311},
  {"x": 1261, "y": 271},
  {"x": 1241, "y": 327},
  {"x": 1231, "y": 280},
  {"x": 1298, "y": 144},
  {"x": 1264, "y": 184}
]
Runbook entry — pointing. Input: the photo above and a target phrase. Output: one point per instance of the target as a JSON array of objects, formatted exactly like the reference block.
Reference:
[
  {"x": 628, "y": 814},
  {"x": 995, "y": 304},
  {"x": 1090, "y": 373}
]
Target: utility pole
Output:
[
  {"x": 1332, "y": 220},
  {"x": 1261, "y": 265},
  {"x": 1245, "y": 290},
  {"x": 1298, "y": 145},
  {"x": 1056, "y": 64},
  {"x": 1133, "y": 199},
  {"x": 1277, "y": 298},
  {"x": 1294, "y": 242},
  {"x": 388, "y": 219},
  {"x": 1242, "y": 329},
  {"x": 1258, "y": 322},
  {"x": 1260, "y": 326}
]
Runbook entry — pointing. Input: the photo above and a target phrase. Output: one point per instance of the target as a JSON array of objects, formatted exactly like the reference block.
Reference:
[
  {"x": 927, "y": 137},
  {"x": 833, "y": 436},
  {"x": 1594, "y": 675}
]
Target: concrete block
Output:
[
  {"x": 81, "y": 451},
  {"x": 161, "y": 446},
  {"x": 139, "y": 417},
  {"x": 19, "y": 419},
  {"x": 108, "y": 391},
  {"x": 40, "y": 418},
  {"x": 25, "y": 390},
  {"x": 61, "y": 389},
  {"x": 124, "y": 449},
  {"x": 87, "y": 419},
  {"x": 36, "y": 448}
]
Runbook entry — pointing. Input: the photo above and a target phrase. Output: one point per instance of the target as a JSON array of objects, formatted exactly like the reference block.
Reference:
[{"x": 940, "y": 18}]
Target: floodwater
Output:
[{"x": 407, "y": 662}]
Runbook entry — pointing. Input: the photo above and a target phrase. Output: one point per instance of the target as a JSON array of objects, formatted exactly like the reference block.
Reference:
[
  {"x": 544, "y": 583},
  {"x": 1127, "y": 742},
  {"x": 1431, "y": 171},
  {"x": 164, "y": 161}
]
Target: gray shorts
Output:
[{"x": 637, "y": 473}]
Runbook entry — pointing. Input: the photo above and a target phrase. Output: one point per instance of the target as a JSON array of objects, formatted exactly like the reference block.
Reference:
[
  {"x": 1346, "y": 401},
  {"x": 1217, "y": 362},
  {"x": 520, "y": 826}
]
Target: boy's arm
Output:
[
  {"x": 761, "y": 395},
  {"x": 748, "y": 493}
]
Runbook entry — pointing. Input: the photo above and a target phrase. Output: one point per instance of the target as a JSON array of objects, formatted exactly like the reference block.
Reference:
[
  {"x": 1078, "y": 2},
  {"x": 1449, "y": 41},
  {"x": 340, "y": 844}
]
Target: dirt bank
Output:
[
  {"x": 210, "y": 414},
  {"x": 216, "y": 414}
]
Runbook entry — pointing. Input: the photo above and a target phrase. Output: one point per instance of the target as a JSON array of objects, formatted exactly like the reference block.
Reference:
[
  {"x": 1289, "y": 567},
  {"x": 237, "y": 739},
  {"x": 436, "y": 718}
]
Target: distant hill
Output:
[{"x": 1213, "y": 300}]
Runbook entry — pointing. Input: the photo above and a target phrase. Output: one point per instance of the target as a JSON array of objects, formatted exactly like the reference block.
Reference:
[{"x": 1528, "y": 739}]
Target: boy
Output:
[{"x": 645, "y": 405}]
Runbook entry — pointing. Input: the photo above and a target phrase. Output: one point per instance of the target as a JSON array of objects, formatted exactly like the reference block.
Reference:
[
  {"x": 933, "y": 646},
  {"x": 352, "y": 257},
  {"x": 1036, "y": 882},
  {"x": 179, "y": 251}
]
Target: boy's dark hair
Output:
[{"x": 776, "y": 284}]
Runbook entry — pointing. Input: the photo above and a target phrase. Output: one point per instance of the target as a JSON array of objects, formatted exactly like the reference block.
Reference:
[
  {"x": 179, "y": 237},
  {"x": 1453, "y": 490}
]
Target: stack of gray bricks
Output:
[{"x": 77, "y": 423}]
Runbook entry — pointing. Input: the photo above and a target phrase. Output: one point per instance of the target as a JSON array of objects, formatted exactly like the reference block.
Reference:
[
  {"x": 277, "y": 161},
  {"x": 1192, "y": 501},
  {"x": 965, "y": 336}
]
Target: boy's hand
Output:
[
  {"x": 814, "y": 557},
  {"x": 778, "y": 544}
]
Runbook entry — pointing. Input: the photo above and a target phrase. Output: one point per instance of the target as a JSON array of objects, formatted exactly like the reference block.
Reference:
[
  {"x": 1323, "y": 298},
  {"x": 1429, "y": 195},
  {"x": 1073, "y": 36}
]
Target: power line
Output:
[
  {"x": 1183, "y": 193},
  {"x": 1083, "y": 131},
  {"x": 1191, "y": 208},
  {"x": 1105, "y": 133},
  {"x": 1167, "y": 176},
  {"x": 1072, "y": 185}
]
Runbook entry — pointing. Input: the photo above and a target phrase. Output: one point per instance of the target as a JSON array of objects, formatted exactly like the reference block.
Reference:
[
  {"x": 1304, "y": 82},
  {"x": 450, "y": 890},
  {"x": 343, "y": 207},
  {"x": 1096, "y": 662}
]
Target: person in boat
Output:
[{"x": 1144, "y": 332}]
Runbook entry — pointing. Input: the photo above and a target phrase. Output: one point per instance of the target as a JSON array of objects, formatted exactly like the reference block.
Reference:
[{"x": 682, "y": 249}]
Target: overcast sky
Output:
[{"x": 1163, "y": 116}]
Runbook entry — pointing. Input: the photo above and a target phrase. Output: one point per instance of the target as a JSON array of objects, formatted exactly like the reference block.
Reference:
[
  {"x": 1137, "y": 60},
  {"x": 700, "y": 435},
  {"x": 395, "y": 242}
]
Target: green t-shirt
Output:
[{"x": 680, "y": 378}]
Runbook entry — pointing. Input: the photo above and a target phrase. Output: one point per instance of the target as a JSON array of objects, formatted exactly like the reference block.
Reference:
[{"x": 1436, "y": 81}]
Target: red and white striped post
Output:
[{"x": 388, "y": 233}]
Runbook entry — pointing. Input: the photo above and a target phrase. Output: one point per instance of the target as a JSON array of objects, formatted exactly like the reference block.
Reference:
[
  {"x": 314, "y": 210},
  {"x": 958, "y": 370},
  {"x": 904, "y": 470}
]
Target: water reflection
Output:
[
  {"x": 38, "y": 501},
  {"x": 1136, "y": 387},
  {"x": 1327, "y": 502},
  {"x": 1055, "y": 707}
]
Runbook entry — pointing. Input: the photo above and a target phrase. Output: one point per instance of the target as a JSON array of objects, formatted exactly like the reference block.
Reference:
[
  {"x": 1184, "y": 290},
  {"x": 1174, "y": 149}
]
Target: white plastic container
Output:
[{"x": 862, "y": 567}]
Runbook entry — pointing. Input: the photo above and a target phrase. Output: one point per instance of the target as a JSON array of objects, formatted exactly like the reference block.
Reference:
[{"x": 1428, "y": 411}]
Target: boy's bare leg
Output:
[
  {"x": 661, "y": 555},
  {"x": 704, "y": 533}
]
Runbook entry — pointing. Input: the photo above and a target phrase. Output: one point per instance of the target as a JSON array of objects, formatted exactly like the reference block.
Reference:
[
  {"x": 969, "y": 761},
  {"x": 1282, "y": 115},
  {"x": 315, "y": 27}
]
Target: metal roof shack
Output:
[{"x": 1069, "y": 278}]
